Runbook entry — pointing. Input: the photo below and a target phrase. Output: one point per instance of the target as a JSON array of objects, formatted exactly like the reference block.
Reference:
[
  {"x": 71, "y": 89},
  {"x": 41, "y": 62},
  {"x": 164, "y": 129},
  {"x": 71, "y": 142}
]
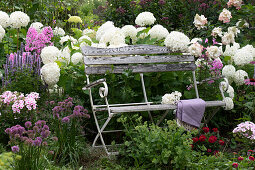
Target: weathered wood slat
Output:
[
  {"x": 137, "y": 59},
  {"x": 141, "y": 68},
  {"x": 140, "y": 108},
  {"x": 127, "y": 50}
]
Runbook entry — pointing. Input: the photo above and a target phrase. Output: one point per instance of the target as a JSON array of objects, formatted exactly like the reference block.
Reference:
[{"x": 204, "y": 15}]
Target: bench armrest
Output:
[
  {"x": 93, "y": 84},
  {"x": 209, "y": 79}
]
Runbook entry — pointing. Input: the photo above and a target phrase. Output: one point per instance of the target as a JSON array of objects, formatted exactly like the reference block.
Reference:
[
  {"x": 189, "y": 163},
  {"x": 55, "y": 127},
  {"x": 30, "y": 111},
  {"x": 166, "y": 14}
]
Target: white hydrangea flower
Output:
[
  {"x": 158, "y": 31},
  {"x": 196, "y": 49},
  {"x": 229, "y": 71},
  {"x": 65, "y": 55},
  {"x": 19, "y": 19},
  {"x": 195, "y": 40},
  {"x": 229, "y": 103},
  {"x": 225, "y": 16},
  {"x": 231, "y": 92},
  {"x": 172, "y": 98},
  {"x": 231, "y": 50},
  {"x": 228, "y": 38},
  {"x": 250, "y": 49},
  {"x": 145, "y": 18},
  {"x": 50, "y": 73},
  {"x": 217, "y": 31},
  {"x": 77, "y": 58},
  {"x": 50, "y": 54},
  {"x": 200, "y": 21},
  {"x": 58, "y": 31},
  {"x": 177, "y": 41},
  {"x": 129, "y": 31},
  {"x": 37, "y": 26},
  {"x": 114, "y": 36},
  {"x": 4, "y": 19},
  {"x": 240, "y": 76},
  {"x": 66, "y": 38},
  {"x": 89, "y": 32},
  {"x": 213, "y": 52},
  {"x": 234, "y": 30},
  {"x": 101, "y": 30},
  {"x": 82, "y": 40},
  {"x": 2, "y": 33},
  {"x": 242, "y": 57}
]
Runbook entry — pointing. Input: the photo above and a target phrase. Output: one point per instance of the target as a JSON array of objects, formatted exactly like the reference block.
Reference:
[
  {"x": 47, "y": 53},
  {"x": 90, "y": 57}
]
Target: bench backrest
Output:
[{"x": 145, "y": 58}]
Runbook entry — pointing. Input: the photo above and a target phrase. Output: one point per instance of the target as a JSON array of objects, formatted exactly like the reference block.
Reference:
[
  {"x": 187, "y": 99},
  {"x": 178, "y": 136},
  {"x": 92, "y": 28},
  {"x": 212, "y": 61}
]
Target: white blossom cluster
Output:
[
  {"x": 114, "y": 37},
  {"x": 2, "y": 33},
  {"x": 172, "y": 98},
  {"x": 230, "y": 90},
  {"x": 229, "y": 103},
  {"x": 177, "y": 41},
  {"x": 159, "y": 32},
  {"x": 231, "y": 50},
  {"x": 50, "y": 54},
  {"x": 50, "y": 73},
  {"x": 58, "y": 31},
  {"x": 82, "y": 40},
  {"x": 66, "y": 38},
  {"x": 37, "y": 26},
  {"x": 101, "y": 30},
  {"x": 145, "y": 18},
  {"x": 242, "y": 57},
  {"x": 213, "y": 52},
  {"x": 4, "y": 19},
  {"x": 77, "y": 58},
  {"x": 229, "y": 72},
  {"x": 65, "y": 55},
  {"x": 200, "y": 21},
  {"x": 129, "y": 31},
  {"x": 240, "y": 76},
  {"x": 89, "y": 32},
  {"x": 196, "y": 49},
  {"x": 19, "y": 19},
  {"x": 217, "y": 31}
]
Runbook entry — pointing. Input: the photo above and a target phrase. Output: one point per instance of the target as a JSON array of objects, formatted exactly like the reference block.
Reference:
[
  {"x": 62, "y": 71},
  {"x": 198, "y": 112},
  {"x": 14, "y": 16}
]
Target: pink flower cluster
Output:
[
  {"x": 235, "y": 3},
  {"x": 18, "y": 101},
  {"x": 246, "y": 129},
  {"x": 37, "y": 41},
  {"x": 216, "y": 66}
]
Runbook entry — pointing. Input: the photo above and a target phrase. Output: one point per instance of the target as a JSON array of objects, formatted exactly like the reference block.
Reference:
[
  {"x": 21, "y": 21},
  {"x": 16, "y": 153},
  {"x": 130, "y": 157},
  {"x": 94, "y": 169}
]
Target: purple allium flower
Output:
[
  {"x": 44, "y": 143},
  {"x": 29, "y": 141},
  {"x": 133, "y": 3},
  {"x": 55, "y": 138},
  {"x": 8, "y": 130},
  {"x": 121, "y": 10},
  {"x": 69, "y": 104},
  {"x": 65, "y": 120},
  {"x": 37, "y": 141},
  {"x": 45, "y": 133},
  {"x": 28, "y": 124},
  {"x": 36, "y": 129},
  {"x": 17, "y": 136},
  {"x": 15, "y": 149},
  {"x": 51, "y": 152},
  {"x": 45, "y": 127},
  {"x": 161, "y": 2},
  {"x": 52, "y": 102}
]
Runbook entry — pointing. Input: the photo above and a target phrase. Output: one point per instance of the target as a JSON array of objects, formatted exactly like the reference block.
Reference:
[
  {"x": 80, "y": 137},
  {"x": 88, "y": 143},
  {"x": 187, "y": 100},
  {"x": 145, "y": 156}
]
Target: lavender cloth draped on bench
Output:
[{"x": 191, "y": 111}]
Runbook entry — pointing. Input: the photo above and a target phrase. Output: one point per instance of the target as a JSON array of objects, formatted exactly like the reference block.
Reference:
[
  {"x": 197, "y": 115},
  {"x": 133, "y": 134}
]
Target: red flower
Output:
[
  {"x": 209, "y": 150},
  {"x": 212, "y": 139},
  {"x": 251, "y": 158},
  {"x": 235, "y": 165},
  {"x": 221, "y": 142},
  {"x": 215, "y": 129},
  {"x": 202, "y": 138},
  {"x": 240, "y": 158},
  {"x": 195, "y": 140},
  {"x": 250, "y": 150},
  {"x": 206, "y": 129}
]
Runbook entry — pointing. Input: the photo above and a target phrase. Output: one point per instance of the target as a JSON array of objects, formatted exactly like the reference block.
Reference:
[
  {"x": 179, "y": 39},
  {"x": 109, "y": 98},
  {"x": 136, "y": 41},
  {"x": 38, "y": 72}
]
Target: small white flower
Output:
[
  {"x": 240, "y": 76},
  {"x": 77, "y": 58},
  {"x": 172, "y": 98},
  {"x": 200, "y": 21},
  {"x": 145, "y": 18},
  {"x": 65, "y": 55},
  {"x": 114, "y": 37},
  {"x": 233, "y": 30},
  {"x": 19, "y": 19},
  {"x": 213, "y": 52},
  {"x": 217, "y": 31},
  {"x": 58, "y": 31},
  {"x": 231, "y": 50},
  {"x": 66, "y": 38},
  {"x": 1, "y": 74},
  {"x": 50, "y": 54},
  {"x": 229, "y": 103},
  {"x": 37, "y": 26},
  {"x": 228, "y": 38},
  {"x": 196, "y": 49},
  {"x": 177, "y": 41},
  {"x": 4, "y": 19}
]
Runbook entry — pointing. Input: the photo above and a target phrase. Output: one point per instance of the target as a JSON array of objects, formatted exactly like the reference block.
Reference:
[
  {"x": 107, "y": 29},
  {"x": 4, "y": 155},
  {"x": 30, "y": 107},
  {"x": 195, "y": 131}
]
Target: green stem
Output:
[{"x": 18, "y": 40}]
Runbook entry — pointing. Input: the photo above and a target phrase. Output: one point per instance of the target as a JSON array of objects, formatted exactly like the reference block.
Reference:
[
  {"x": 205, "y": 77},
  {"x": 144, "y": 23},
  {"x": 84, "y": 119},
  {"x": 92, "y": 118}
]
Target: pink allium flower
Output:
[{"x": 15, "y": 149}]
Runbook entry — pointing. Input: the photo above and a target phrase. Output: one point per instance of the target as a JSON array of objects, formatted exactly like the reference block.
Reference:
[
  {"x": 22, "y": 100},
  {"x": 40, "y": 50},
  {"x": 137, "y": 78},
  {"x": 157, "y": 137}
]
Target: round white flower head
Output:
[
  {"x": 213, "y": 52},
  {"x": 234, "y": 30},
  {"x": 231, "y": 92},
  {"x": 177, "y": 41},
  {"x": 129, "y": 31},
  {"x": 58, "y": 31},
  {"x": 229, "y": 103},
  {"x": 250, "y": 49},
  {"x": 2, "y": 33},
  {"x": 240, "y": 76},
  {"x": 89, "y": 32},
  {"x": 37, "y": 25},
  {"x": 195, "y": 40},
  {"x": 65, "y": 55},
  {"x": 83, "y": 40},
  {"x": 101, "y": 30},
  {"x": 50, "y": 73},
  {"x": 196, "y": 49},
  {"x": 50, "y": 54},
  {"x": 75, "y": 19},
  {"x": 228, "y": 38},
  {"x": 217, "y": 31},
  {"x": 114, "y": 36},
  {"x": 66, "y": 38},
  {"x": 242, "y": 57},
  {"x": 158, "y": 31},
  {"x": 229, "y": 71},
  {"x": 200, "y": 21},
  {"x": 172, "y": 98},
  {"x": 4, "y": 19},
  {"x": 77, "y": 58},
  {"x": 225, "y": 16},
  {"x": 231, "y": 50},
  {"x": 145, "y": 18},
  {"x": 19, "y": 19}
]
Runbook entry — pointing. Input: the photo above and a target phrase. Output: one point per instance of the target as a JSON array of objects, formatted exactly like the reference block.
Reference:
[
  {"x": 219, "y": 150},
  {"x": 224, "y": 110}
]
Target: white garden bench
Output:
[{"x": 139, "y": 59}]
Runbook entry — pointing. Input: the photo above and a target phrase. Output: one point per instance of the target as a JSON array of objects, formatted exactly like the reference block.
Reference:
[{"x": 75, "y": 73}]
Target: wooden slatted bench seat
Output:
[{"x": 139, "y": 59}]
